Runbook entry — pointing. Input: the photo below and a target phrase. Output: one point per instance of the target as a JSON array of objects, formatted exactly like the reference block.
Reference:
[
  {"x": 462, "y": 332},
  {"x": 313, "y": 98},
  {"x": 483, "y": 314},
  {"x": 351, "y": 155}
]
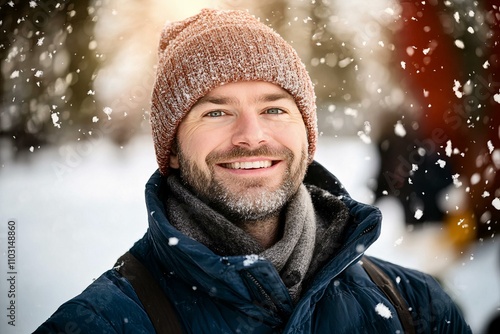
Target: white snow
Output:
[
  {"x": 383, "y": 311},
  {"x": 14, "y": 74},
  {"x": 344, "y": 62},
  {"x": 456, "y": 88},
  {"x": 496, "y": 203},
  {"x": 250, "y": 259},
  {"x": 55, "y": 120},
  {"x": 108, "y": 111},
  {"x": 459, "y": 44},
  {"x": 448, "y": 149},
  {"x": 491, "y": 148},
  {"x": 351, "y": 112},
  {"x": 399, "y": 129},
  {"x": 172, "y": 241},
  {"x": 495, "y": 157},
  {"x": 441, "y": 163}
]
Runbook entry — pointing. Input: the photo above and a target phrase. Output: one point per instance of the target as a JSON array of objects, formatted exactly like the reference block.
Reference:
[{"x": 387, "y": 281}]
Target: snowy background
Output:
[
  {"x": 75, "y": 148},
  {"x": 75, "y": 221}
]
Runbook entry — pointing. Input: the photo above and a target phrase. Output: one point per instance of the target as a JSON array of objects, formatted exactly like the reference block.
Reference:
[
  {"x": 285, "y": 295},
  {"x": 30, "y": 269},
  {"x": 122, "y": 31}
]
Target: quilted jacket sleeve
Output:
[
  {"x": 107, "y": 306},
  {"x": 432, "y": 309}
]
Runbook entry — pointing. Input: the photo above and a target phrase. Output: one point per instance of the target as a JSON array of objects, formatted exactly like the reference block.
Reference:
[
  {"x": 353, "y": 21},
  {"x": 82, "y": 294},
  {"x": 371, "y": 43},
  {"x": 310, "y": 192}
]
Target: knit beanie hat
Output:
[{"x": 213, "y": 48}]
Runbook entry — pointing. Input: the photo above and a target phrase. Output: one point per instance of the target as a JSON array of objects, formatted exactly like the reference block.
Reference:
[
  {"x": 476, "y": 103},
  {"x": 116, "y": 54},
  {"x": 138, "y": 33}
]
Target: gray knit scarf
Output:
[{"x": 307, "y": 241}]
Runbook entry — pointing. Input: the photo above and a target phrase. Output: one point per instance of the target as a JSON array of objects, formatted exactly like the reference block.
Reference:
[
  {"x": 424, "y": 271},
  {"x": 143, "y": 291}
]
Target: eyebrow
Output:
[{"x": 221, "y": 100}]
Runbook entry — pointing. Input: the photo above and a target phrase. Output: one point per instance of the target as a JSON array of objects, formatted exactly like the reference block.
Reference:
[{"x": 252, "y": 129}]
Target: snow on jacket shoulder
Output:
[{"x": 245, "y": 294}]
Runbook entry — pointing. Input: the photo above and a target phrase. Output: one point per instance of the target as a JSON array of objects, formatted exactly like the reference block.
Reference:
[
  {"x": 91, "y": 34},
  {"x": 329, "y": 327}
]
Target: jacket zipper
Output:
[
  {"x": 365, "y": 231},
  {"x": 269, "y": 301}
]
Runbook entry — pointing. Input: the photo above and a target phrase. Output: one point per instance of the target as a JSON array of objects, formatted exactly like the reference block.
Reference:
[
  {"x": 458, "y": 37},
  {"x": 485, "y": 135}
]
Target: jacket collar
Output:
[{"x": 199, "y": 266}]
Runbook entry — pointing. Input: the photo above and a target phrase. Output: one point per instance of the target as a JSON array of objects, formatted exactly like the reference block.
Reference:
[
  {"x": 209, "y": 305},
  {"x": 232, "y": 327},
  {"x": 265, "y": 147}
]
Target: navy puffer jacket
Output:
[{"x": 245, "y": 294}]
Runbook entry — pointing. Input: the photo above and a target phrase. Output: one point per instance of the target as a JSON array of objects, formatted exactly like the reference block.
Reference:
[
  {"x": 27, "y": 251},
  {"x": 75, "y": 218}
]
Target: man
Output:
[{"x": 247, "y": 234}]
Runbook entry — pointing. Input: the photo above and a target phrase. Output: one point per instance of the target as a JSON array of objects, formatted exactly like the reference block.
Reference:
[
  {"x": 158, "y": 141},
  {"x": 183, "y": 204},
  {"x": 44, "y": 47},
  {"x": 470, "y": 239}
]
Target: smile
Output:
[{"x": 248, "y": 164}]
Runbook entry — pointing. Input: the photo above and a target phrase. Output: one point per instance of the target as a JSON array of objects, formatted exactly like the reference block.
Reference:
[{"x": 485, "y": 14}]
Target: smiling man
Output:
[
  {"x": 247, "y": 234},
  {"x": 242, "y": 149}
]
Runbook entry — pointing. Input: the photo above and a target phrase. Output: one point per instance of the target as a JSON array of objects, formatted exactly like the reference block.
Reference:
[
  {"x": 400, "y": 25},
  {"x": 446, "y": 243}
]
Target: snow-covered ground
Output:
[{"x": 77, "y": 208}]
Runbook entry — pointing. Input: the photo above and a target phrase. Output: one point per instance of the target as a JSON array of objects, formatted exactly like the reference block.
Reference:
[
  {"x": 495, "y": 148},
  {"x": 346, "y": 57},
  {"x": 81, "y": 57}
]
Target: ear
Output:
[{"x": 174, "y": 157}]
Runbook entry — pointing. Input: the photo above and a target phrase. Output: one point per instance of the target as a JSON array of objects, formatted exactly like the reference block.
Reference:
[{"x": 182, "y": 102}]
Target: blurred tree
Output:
[{"x": 48, "y": 64}]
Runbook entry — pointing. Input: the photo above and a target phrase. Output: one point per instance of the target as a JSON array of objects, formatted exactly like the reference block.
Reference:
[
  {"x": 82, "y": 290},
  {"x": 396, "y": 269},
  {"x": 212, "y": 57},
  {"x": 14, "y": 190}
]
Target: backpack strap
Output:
[
  {"x": 156, "y": 304},
  {"x": 387, "y": 286}
]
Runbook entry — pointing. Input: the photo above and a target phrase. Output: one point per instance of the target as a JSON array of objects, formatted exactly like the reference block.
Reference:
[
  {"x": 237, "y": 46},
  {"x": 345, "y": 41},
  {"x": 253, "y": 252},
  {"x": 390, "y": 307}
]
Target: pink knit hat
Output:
[{"x": 213, "y": 48}]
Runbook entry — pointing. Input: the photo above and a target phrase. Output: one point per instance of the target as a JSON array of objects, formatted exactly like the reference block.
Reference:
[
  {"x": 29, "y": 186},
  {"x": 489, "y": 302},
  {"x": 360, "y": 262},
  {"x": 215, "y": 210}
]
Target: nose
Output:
[{"x": 249, "y": 131}]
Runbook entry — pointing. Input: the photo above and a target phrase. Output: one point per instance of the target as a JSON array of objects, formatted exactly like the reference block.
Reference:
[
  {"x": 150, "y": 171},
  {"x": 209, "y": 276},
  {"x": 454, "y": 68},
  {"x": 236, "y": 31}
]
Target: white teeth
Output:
[{"x": 249, "y": 164}]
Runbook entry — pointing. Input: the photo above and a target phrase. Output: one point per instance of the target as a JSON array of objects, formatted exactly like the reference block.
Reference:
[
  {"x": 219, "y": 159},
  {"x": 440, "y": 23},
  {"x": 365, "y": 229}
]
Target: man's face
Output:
[{"x": 243, "y": 149}]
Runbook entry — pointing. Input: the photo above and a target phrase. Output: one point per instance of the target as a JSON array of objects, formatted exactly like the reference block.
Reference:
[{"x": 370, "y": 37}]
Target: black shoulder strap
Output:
[
  {"x": 156, "y": 304},
  {"x": 387, "y": 286}
]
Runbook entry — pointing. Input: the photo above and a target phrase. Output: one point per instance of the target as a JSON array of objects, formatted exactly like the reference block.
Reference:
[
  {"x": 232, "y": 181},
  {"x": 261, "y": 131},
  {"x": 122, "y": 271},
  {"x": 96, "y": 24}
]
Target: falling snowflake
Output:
[
  {"x": 172, "y": 241},
  {"x": 475, "y": 178},
  {"x": 459, "y": 44},
  {"x": 108, "y": 111},
  {"x": 55, "y": 120},
  {"x": 344, "y": 62},
  {"x": 352, "y": 112},
  {"x": 456, "y": 182},
  {"x": 456, "y": 88},
  {"x": 364, "y": 137},
  {"x": 441, "y": 163},
  {"x": 496, "y": 97},
  {"x": 491, "y": 148},
  {"x": 418, "y": 214},
  {"x": 448, "y": 148},
  {"x": 496, "y": 203},
  {"x": 360, "y": 248},
  {"x": 383, "y": 311},
  {"x": 398, "y": 241}
]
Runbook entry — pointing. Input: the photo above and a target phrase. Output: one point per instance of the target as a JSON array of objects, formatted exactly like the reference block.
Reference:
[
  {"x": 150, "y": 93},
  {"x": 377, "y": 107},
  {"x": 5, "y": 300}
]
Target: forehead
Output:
[{"x": 248, "y": 91}]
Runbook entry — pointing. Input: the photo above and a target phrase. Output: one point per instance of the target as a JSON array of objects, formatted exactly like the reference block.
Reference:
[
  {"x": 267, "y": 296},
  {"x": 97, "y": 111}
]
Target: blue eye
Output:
[
  {"x": 274, "y": 111},
  {"x": 215, "y": 113}
]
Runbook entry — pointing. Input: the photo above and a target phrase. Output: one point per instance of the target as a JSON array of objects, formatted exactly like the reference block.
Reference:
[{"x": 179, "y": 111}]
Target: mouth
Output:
[{"x": 248, "y": 164}]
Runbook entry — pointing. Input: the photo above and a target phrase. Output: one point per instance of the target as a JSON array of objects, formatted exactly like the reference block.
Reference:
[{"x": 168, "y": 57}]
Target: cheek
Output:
[
  {"x": 293, "y": 136},
  {"x": 197, "y": 146}
]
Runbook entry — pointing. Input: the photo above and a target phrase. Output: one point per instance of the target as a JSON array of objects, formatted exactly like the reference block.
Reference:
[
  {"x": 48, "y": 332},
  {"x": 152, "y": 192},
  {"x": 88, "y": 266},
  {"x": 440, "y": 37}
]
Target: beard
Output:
[{"x": 255, "y": 201}]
